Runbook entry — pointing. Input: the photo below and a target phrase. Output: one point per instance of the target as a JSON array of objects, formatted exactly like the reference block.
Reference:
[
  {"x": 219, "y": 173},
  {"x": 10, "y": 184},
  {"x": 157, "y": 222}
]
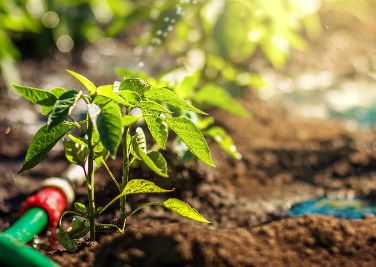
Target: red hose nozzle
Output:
[{"x": 51, "y": 199}]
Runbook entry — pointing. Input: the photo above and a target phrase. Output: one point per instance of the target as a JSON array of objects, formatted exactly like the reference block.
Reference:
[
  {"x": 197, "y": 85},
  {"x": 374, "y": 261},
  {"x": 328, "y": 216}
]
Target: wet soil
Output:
[{"x": 286, "y": 159}]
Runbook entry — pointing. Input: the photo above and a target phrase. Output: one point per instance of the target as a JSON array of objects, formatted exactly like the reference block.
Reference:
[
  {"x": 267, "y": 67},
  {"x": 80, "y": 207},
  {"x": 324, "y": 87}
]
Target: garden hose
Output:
[{"x": 38, "y": 211}]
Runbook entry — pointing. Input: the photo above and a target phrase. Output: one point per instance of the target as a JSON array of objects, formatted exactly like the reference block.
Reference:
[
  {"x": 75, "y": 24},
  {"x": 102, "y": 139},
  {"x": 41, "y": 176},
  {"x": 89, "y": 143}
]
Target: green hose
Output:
[
  {"x": 32, "y": 222},
  {"x": 13, "y": 252}
]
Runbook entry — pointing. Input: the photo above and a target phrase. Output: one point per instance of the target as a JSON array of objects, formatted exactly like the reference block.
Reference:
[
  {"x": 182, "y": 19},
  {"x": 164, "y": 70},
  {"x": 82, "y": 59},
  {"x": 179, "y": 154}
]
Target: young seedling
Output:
[
  {"x": 110, "y": 123},
  {"x": 208, "y": 95}
]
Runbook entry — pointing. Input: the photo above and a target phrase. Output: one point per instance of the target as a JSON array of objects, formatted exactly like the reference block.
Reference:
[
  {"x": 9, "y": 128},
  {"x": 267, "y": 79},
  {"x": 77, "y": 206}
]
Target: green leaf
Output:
[
  {"x": 169, "y": 97},
  {"x": 153, "y": 106},
  {"x": 57, "y": 92},
  {"x": 127, "y": 73},
  {"x": 85, "y": 81},
  {"x": 204, "y": 123},
  {"x": 216, "y": 96},
  {"x": 43, "y": 141},
  {"x": 158, "y": 160},
  {"x": 184, "y": 209},
  {"x": 141, "y": 186},
  {"x": 77, "y": 140},
  {"x": 79, "y": 227},
  {"x": 109, "y": 127},
  {"x": 188, "y": 85},
  {"x": 75, "y": 153},
  {"x": 158, "y": 129},
  {"x": 136, "y": 85},
  {"x": 35, "y": 95},
  {"x": 192, "y": 137},
  {"x": 128, "y": 120},
  {"x": 154, "y": 162},
  {"x": 80, "y": 207},
  {"x": 224, "y": 140},
  {"x": 66, "y": 241},
  {"x": 63, "y": 107},
  {"x": 130, "y": 97},
  {"x": 100, "y": 152},
  {"x": 107, "y": 91}
]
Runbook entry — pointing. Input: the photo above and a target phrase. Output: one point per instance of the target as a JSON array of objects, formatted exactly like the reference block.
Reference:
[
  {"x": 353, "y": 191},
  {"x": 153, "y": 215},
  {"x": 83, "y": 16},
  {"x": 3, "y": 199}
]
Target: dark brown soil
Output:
[
  {"x": 305, "y": 241},
  {"x": 286, "y": 159}
]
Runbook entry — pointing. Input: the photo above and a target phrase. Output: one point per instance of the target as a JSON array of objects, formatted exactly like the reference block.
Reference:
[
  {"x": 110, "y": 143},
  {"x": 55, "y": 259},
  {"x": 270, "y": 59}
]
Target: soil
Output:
[{"x": 286, "y": 159}]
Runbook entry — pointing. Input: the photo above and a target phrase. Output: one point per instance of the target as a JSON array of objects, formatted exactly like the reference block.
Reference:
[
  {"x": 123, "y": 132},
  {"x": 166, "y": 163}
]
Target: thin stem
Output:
[
  {"x": 124, "y": 177},
  {"x": 68, "y": 212},
  {"x": 110, "y": 173},
  {"x": 90, "y": 181}
]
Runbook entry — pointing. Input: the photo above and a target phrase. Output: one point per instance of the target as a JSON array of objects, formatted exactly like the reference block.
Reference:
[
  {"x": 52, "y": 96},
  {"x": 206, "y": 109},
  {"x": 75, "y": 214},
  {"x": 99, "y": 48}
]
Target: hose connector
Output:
[{"x": 52, "y": 199}]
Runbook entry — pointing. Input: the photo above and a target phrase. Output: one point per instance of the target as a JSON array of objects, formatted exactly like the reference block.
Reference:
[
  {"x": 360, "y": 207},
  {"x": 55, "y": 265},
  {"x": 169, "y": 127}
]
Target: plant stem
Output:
[
  {"x": 111, "y": 175},
  {"x": 90, "y": 181},
  {"x": 124, "y": 178}
]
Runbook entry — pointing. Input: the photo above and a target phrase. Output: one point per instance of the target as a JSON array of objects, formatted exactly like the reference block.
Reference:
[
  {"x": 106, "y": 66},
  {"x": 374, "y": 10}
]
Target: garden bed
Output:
[{"x": 286, "y": 160}]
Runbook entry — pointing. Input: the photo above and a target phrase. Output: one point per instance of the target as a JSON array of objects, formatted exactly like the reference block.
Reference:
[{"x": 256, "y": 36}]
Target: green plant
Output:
[
  {"x": 186, "y": 85},
  {"x": 108, "y": 125}
]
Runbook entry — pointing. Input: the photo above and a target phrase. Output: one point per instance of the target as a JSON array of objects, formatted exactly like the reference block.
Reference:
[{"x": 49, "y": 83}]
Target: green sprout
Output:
[{"x": 111, "y": 123}]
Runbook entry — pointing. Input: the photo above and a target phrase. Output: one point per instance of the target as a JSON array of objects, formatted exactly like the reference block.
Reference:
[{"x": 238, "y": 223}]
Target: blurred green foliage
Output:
[
  {"x": 35, "y": 26},
  {"x": 213, "y": 40}
]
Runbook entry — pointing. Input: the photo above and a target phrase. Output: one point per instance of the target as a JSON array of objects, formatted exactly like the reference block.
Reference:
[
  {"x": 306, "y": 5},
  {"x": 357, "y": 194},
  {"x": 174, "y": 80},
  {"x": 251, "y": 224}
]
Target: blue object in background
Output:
[{"x": 340, "y": 208}]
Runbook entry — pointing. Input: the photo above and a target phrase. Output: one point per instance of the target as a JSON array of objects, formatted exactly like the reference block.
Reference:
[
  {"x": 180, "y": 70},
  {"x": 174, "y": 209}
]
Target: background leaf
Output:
[
  {"x": 43, "y": 141},
  {"x": 191, "y": 136},
  {"x": 184, "y": 209},
  {"x": 214, "y": 95},
  {"x": 109, "y": 127},
  {"x": 224, "y": 140}
]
